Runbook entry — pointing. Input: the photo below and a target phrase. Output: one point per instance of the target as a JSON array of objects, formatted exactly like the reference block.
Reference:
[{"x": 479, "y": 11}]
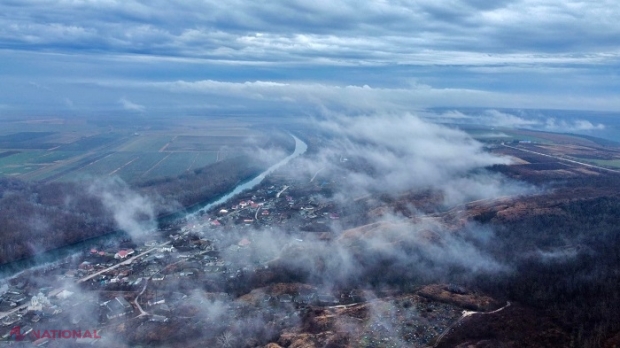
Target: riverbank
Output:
[{"x": 12, "y": 268}]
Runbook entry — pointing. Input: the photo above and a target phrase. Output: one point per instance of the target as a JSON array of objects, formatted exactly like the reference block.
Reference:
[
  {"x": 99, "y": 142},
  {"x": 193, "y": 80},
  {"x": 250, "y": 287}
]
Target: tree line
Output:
[{"x": 37, "y": 216}]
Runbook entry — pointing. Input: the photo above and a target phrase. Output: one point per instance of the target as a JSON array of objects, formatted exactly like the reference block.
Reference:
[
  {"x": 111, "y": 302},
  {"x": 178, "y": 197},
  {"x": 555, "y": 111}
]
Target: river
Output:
[
  {"x": 56, "y": 255},
  {"x": 300, "y": 148}
]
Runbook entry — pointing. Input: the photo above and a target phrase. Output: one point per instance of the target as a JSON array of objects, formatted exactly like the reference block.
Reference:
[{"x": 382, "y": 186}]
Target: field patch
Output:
[
  {"x": 8, "y": 153},
  {"x": 27, "y": 140},
  {"x": 92, "y": 142},
  {"x": 187, "y": 143},
  {"x": 74, "y": 148},
  {"x": 147, "y": 143},
  {"x": 142, "y": 164},
  {"x": 21, "y": 158},
  {"x": 204, "y": 159},
  {"x": 23, "y": 136},
  {"x": 174, "y": 164},
  {"x": 615, "y": 163}
]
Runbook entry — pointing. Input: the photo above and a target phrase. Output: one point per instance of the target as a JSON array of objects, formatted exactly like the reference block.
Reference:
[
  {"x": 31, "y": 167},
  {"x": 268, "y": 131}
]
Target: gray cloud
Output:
[
  {"x": 294, "y": 54},
  {"x": 345, "y": 30},
  {"x": 132, "y": 212},
  {"x": 510, "y": 119},
  {"x": 131, "y": 106}
]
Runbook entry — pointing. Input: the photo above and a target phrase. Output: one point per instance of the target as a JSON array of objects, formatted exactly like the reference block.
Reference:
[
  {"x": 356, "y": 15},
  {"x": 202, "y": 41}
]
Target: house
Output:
[
  {"x": 118, "y": 307},
  {"x": 86, "y": 266},
  {"x": 305, "y": 298},
  {"x": 456, "y": 289},
  {"x": 122, "y": 254},
  {"x": 327, "y": 299},
  {"x": 162, "y": 308},
  {"x": 9, "y": 320},
  {"x": 158, "y": 318},
  {"x": 156, "y": 301},
  {"x": 37, "y": 302},
  {"x": 26, "y": 330},
  {"x": 50, "y": 311},
  {"x": 286, "y": 298},
  {"x": 177, "y": 296},
  {"x": 13, "y": 292},
  {"x": 17, "y": 299}
]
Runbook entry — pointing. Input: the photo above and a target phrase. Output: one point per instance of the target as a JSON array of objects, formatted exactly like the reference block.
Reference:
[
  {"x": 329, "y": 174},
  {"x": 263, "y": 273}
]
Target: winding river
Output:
[{"x": 56, "y": 255}]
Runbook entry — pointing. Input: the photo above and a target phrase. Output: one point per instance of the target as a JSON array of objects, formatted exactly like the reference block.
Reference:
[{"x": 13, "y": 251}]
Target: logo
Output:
[{"x": 17, "y": 334}]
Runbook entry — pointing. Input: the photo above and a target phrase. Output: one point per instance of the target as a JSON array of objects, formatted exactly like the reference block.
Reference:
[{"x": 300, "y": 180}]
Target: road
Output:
[
  {"x": 142, "y": 312},
  {"x": 126, "y": 262},
  {"x": 5, "y": 314},
  {"x": 465, "y": 315},
  {"x": 315, "y": 174},
  {"x": 564, "y": 159},
  {"x": 279, "y": 193}
]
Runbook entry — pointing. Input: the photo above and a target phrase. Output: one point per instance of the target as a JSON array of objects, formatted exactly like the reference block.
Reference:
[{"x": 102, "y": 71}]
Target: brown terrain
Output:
[
  {"x": 493, "y": 324},
  {"x": 433, "y": 315}
]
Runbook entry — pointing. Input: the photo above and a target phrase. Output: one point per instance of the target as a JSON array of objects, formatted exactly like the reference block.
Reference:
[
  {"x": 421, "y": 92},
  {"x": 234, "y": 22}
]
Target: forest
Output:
[
  {"x": 565, "y": 264},
  {"x": 36, "y": 216}
]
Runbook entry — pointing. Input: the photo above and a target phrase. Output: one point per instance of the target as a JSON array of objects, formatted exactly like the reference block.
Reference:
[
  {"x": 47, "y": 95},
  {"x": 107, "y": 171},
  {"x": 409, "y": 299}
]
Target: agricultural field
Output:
[
  {"x": 492, "y": 135},
  {"x": 62, "y": 149},
  {"x": 613, "y": 163}
]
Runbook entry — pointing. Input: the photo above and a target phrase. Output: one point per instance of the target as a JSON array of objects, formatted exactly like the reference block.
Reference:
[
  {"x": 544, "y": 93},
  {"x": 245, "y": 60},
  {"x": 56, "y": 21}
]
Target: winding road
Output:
[
  {"x": 142, "y": 312},
  {"x": 465, "y": 315}
]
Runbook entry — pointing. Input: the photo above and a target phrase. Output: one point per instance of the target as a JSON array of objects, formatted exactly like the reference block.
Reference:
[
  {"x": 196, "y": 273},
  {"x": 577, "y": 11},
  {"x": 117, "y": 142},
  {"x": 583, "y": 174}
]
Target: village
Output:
[
  {"x": 153, "y": 280},
  {"x": 168, "y": 284}
]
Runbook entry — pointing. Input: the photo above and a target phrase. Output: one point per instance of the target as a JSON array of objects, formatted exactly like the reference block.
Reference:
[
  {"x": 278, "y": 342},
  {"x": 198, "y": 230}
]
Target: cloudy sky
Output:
[{"x": 201, "y": 56}]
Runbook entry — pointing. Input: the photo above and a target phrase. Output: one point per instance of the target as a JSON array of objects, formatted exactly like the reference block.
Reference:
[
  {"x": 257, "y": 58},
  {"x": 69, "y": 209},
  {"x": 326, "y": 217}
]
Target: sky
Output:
[{"x": 73, "y": 57}]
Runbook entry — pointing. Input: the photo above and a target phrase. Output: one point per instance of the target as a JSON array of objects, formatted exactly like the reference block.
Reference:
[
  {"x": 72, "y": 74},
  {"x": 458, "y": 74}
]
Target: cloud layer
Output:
[
  {"x": 512, "y": 53},
  {"x": 341, "y": 31}
]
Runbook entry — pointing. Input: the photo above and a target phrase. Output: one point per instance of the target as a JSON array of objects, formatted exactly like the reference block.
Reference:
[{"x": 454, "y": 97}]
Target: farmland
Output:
[{"x": 60, "y": 149}]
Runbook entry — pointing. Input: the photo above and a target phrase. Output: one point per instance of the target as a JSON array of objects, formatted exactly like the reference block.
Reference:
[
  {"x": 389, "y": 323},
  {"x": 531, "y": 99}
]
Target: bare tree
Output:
[{"x": 226, "y": 340}]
